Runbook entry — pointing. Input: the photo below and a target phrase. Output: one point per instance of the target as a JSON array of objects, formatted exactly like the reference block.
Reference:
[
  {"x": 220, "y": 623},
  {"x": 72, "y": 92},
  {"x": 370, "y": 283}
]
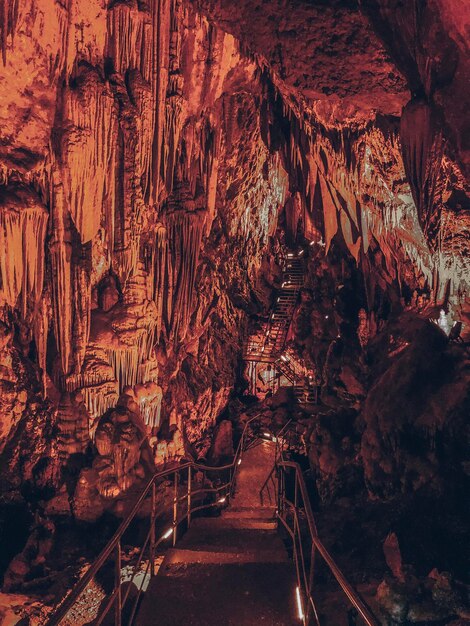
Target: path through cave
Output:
[{"x": 212, "y": 212}]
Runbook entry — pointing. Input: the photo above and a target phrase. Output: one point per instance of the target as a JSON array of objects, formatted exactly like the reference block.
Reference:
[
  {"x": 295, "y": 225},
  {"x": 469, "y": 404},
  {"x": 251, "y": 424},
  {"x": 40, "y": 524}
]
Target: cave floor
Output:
[{"x": 230, "y": 570}]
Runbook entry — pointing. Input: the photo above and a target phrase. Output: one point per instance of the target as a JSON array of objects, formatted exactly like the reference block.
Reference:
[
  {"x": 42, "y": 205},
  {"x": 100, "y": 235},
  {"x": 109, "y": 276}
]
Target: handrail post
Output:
[
  {"x": 189, "y": 496},
  {"x": 117, "y": 586},
  {"x": 175, "y": 508},
  {"x": 152, "y": 530},
  {"x": 310, "y": 580},
  {"x": 296, "y": 491}
]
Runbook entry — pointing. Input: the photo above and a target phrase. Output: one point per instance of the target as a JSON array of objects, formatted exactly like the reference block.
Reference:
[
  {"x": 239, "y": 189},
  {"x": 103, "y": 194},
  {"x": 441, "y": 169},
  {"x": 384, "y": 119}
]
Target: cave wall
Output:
[
  {"x": 137, "y": 197},
  {"x": 146, "y": 150}
]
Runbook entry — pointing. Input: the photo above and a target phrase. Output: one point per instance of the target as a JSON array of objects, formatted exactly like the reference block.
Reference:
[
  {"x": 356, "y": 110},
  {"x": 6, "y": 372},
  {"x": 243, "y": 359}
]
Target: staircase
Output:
[
  {"x": 224, "y": 569},
  {"x": 275, "y": 331},
  {"x": 271, "y": 347}
]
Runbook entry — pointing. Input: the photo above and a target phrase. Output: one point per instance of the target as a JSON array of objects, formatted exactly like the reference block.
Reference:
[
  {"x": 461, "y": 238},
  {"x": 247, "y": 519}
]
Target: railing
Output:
[
  {"x": 191, "y": 501},
  {"x": 297, "y": 518}
]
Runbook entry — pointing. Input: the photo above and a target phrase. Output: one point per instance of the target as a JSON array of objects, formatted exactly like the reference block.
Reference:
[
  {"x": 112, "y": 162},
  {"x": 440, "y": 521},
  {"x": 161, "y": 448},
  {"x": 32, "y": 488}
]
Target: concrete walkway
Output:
[{"x": 232, "y": 570}]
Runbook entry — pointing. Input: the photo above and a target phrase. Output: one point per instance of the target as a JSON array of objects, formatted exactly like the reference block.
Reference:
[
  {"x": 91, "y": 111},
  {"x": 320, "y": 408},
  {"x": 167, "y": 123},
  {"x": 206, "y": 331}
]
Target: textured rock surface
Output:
[{"x": 148, "y": 153}]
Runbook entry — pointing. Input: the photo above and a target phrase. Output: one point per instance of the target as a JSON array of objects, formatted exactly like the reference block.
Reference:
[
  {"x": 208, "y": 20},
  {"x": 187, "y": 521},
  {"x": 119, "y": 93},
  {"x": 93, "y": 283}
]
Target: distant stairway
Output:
[
  {"x": 274, "y": 334},
  {"x": 268, "y": 346}
]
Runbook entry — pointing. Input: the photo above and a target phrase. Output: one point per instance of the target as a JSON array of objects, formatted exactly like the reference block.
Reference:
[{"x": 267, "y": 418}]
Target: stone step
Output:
[
  {"x": 235, "y": 522},
  {"x": 221, "y": 595},
  {"x": 261, "y": 513},
  {"x": 209, "y": 556}
]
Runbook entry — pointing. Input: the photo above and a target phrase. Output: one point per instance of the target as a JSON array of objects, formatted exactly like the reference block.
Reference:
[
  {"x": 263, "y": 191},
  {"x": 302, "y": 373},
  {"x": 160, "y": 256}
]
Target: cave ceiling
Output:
[
  {"x": 325, "y": 55},
  {"x": 346, "y": 61}
]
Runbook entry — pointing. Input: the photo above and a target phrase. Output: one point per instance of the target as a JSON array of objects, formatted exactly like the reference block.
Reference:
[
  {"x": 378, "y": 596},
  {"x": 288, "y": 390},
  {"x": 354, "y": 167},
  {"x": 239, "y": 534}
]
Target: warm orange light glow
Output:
[
  {"x": 167, "y": 534},
  {"x": 300, "y": 610}
]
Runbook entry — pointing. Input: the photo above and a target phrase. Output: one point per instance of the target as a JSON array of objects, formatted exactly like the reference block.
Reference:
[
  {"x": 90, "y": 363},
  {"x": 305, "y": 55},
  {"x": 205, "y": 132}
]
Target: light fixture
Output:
[
  {"x": 300, "y": 610},
  {"x": 326, "y": 317},
  {"x": 267, "y": 435},
  {"x": 167, "y": 534},
  {"x": 239, "y": 461},
  {"x": 312, "y": 243},
  {"x": 221, "y": 500}
]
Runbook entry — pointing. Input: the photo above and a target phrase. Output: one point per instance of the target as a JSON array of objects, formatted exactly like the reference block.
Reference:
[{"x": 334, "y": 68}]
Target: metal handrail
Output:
[
  {"x": 305, "y": 574},
  {"x": 279, "y": 444},
  {"x": 114, "y": 544}
]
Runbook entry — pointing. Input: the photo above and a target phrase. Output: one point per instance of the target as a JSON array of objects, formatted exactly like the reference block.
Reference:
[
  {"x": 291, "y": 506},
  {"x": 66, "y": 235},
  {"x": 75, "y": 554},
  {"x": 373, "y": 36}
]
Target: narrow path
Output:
[{"x": 227, "y": 571}]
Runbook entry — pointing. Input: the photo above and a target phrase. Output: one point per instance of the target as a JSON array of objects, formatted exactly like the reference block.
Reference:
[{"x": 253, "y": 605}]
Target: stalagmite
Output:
[{"x": 72, "y": 424}]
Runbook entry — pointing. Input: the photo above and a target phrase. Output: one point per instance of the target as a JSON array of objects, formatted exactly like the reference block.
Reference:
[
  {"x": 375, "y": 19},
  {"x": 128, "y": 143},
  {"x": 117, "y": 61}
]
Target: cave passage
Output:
[{"x": 234, "y": 312}]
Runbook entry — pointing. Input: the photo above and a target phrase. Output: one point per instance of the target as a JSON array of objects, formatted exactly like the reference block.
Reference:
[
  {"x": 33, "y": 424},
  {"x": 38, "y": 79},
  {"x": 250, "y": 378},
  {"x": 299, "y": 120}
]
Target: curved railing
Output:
[
  {"x": 187, "y": 475},
  {"x": 296, "y": 516}
]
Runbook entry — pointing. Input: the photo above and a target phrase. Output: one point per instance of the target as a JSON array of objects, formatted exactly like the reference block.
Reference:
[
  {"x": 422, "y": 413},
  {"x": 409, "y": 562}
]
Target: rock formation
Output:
[{"x": 156, "y": 158}]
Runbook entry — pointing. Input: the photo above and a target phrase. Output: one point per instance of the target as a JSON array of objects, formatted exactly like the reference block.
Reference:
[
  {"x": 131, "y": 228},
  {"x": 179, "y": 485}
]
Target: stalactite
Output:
[
  {"x": 96, "y": 382},
  {"x": 125, "y": 363},
  {"x": 9, "y": 10},
  {"x": 184, "y": 234},
  {"x": 60, "y": 247},
  {"x": 162, "y": 13},
  {"x": 144, "y": 102},
  {"x": 149, "y": 398},
  {"x": 158, "y": 274},
  {"x": 353, "y": 246},
  {"x": 171, "y": 136},
  {"x": 88, "y": 147},
  {"x": 329, "y": 212},
  {"x": 422, "y": 147},
  {"x": 99, "y": 399},
  {"x": 11, "y": 259},
  {"x": 40, "y": 331},
  {"x": 81, "y": 305},
  {"x": 22, "y": 235},
  {"x": 126, "y": 42},
  {"x": 130, "y": 207}
]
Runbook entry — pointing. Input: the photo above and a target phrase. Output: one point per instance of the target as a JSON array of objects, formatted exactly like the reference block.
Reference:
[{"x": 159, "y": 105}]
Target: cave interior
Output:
[{"x": 228, "y": 229}]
